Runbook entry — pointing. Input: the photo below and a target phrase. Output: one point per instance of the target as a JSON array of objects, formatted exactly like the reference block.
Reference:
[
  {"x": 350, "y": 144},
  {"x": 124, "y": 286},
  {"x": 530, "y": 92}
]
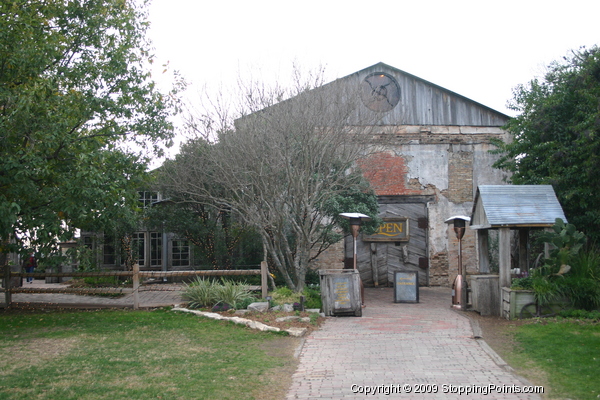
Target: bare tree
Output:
[{"x": 280, "y": 165}]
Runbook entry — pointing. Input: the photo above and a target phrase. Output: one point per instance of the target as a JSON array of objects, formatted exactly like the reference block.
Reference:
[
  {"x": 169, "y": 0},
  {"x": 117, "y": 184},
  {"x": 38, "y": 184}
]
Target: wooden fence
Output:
[{"x": 136, "y": 277}]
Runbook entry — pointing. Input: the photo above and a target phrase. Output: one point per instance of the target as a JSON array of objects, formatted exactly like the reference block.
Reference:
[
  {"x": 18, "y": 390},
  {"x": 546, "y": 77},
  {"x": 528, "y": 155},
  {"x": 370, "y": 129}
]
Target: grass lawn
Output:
[
  {"x": 564, "y": 354},
  {"x": 123, "y": 354}
]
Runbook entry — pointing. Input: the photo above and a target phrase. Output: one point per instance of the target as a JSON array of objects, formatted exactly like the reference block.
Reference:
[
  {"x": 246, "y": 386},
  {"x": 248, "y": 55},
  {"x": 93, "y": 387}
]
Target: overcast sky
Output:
[{"x": 479, "y": 49}]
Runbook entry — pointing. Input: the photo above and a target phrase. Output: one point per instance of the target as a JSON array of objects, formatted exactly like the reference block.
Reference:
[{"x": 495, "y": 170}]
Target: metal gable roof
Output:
[{"x": 515, "y": 206}]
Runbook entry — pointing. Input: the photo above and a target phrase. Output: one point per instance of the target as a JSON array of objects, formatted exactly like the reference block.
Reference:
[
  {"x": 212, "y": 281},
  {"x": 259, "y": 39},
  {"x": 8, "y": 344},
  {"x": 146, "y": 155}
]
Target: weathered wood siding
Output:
[
  {"x": 382, "y": 259},
  {"x": 424, "y": 103}
]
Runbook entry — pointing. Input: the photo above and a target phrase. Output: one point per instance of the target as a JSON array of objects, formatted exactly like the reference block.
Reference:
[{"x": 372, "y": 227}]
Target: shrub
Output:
[
  {"x": 284, "y": 295},
  {"x": 525, "y": 283},
  {"x": 245, "y": 303},
  {"x": 312, "y": 294},
  {"x": 312, "y": 277},
  {"x": 582, "y": 283},
  {"x": 581, "y": 314}
]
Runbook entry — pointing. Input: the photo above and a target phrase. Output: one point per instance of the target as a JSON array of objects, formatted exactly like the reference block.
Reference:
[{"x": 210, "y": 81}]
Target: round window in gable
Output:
[{"x": 380, "y": 92}]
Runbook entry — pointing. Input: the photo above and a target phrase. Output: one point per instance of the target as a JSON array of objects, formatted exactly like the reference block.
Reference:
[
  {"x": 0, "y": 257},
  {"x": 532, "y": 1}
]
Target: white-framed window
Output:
[{"x": 147, "y": 198}]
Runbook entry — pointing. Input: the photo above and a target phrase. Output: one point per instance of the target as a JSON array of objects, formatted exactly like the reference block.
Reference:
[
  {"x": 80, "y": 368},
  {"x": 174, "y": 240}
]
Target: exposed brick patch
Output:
[
  {"x": 438, "y": 269},
  {"x": 332, "y": 258},
  {"x": 387, "y": 174},
  {"x": 460, "y": 176}
]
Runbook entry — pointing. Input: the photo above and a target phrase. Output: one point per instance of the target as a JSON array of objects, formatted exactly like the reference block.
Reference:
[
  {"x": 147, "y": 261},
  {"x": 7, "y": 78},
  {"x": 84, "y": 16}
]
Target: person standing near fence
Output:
[{"x": 29, "y": 264}]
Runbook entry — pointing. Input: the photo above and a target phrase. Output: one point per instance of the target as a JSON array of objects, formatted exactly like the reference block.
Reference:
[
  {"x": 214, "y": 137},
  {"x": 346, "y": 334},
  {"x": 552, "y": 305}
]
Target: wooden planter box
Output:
[
  {"x": 485, "y": 296},
  {"x": 340, "y": 292},
  {"x": 514, "y": 300}
]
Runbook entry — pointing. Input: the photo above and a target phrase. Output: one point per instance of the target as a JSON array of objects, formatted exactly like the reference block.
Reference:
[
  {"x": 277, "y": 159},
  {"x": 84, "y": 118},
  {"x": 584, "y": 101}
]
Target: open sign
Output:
[{"x": 392, "y": 230}]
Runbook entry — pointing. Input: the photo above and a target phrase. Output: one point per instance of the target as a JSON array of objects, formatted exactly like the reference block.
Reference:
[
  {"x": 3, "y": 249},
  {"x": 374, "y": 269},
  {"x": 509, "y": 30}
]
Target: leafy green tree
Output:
[
  {"x": 556, "y": 136},
  {"x": 76, "y": 106}
]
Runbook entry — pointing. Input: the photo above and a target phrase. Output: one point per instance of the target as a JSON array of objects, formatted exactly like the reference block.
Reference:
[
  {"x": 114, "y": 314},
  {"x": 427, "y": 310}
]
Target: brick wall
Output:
[
  {"x": 332, "y": 258},
  {"x": 388, "y": 174},
  {"x": 438, "y": 269}
]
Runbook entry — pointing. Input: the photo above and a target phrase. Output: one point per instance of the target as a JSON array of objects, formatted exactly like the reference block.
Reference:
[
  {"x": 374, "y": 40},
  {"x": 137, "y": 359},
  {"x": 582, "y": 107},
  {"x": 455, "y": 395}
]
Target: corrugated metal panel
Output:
[{"x": 517, "y": 205}]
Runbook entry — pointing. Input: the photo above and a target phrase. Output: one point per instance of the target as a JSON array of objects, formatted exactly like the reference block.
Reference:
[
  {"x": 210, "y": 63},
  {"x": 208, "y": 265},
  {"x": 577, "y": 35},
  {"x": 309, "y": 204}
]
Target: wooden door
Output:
[{"x": 384, "y": 258}]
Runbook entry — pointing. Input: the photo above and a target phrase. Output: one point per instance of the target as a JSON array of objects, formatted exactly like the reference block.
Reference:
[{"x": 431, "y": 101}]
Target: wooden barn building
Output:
[
  {"x": 432, "y": 155},
  {"x": 436, "y": 154}
]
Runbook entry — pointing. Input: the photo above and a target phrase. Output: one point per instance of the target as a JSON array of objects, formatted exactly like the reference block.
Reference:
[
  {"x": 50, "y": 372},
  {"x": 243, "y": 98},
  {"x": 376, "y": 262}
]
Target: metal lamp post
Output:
[
  {"x": 355, "y": 220},
  {"x": 459, "y": 288}
]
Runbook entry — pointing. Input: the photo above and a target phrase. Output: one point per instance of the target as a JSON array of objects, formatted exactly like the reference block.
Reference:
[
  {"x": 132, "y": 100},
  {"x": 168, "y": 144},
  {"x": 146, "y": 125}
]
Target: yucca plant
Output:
[
  {"x": 201, "y": 293},
  {"x": 233, "y": 293}
]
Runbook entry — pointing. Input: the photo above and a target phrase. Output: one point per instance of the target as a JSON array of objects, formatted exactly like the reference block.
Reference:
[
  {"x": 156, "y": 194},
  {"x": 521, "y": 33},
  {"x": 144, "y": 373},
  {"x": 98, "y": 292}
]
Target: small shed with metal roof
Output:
[
  {"x": 515, "y": 206},
  {"x": 506, "y": 207}
]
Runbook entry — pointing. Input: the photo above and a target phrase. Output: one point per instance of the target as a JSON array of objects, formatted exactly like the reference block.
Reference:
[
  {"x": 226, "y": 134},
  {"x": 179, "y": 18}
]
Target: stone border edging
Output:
[{"x": 297, "y": 332}]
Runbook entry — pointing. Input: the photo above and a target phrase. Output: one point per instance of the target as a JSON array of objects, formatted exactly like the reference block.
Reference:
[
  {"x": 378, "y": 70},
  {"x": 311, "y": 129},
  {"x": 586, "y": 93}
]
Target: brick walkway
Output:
[{"x": 400, "y": 344}]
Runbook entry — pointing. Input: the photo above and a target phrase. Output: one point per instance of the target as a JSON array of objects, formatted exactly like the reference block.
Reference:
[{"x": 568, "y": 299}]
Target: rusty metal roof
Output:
[{"x": 515, "y": 206}]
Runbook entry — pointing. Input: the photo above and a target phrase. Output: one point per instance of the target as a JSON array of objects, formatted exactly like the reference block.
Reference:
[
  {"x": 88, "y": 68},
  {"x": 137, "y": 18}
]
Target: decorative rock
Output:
[
  {"x": 260, "y": 306},
  {"x": 297, "y": 332},
  {"x": 288, "y": 308},
  {"x": 261, "y": 327},
  {"x": 293, "y": 318},
  {"x": 276, "y": 308},
  {"x": 241, "y": 312},
  {"x": 315, "y": 310}
]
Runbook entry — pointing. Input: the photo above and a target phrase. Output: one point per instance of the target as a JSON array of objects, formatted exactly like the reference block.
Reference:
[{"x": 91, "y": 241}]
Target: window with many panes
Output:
[
  {"x": 108, "y": 254},
  {"x": 181, "y": 253},
  {"x": 88, "y": 242},
  {"x": 155, "y": 248},
  {"x": 138, "y": 246}
]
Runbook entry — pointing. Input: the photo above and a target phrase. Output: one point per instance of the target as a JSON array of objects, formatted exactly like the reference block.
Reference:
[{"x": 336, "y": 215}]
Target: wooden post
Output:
[
  {"x": 136, "y": 286},
  {"x": 264, "y": 271},
  {"x": 504, "y": 257},
  {"x": 523, "y": 249},
  {"x": 7, "y": 284},
  {"x": 374, "y": 269},
  {"x": 484, "y": 252},
  {"x": 547, "y": 246}
]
